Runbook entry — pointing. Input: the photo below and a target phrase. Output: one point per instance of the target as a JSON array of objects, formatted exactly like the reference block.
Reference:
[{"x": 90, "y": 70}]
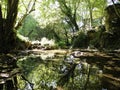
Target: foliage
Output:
[
  {"x": 28, "y": 7},
  {"x": 11, "y": 20},
  {"x": 39, "y": 72},
  {"x": 62, "y": 19},
  {"x": 46, "y": 73},
  {"x": 69, "y": 9},
  {"x": 30, "y": 28},
  {"x": 62, "y": 44},
  {"x": 47, "y": 12},
  {"x": 81, "y": 41},
  {"x": 54, "y": 19},
  {"x": 96, "y": 41},
  {"x": 49, "y": 32}
]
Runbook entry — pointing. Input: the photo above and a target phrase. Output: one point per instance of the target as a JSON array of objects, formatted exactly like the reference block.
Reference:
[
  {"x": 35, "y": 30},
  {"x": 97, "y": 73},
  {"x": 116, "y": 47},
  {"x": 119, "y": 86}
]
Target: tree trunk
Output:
[
  {"x": 67, "y": 38},
  {"x": 8, "y": 42},
  {"x": 90, "y": 7},
  {"x": 91, "y": 17},
  {"x": 7, "y": 33}
]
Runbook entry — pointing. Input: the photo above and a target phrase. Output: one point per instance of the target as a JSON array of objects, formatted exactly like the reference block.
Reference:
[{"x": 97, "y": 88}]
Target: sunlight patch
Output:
[{"x": 44, "y": 41}]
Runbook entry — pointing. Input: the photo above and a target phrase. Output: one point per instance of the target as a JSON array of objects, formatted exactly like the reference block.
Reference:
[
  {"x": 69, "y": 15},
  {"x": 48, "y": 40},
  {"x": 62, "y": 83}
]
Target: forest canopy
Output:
[
  {"x": 63, "y": 17},
  {"x": 61, "y": 20}
]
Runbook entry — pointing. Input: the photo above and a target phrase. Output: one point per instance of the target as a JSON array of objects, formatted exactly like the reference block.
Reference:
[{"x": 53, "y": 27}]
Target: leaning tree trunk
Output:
[{"x": 7, "y": 33}]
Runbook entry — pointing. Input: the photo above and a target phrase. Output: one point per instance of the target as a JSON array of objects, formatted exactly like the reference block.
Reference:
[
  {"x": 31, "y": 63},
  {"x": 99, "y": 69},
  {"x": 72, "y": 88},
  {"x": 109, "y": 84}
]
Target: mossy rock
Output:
[
  {"x": 81, "y": 41},
  {"x": 112, "y": 18},
  {"x": 22, "y": 44},
  {"x": 110, "y": 41}
]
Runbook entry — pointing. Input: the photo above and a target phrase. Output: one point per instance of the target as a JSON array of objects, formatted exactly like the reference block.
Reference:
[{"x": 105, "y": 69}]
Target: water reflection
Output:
[
  {"x": 56, "y": 72},
  {"x": 28, "y": 86},
  {"x": 47, "y": 56}
]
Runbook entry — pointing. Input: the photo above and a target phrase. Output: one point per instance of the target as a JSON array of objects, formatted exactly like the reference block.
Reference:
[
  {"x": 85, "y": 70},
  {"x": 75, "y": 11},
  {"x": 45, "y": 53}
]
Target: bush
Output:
[
  {"x": 62, "y": 44},
  {"x": 81, "y": 41},
  {"x": 96, "y": 41}
]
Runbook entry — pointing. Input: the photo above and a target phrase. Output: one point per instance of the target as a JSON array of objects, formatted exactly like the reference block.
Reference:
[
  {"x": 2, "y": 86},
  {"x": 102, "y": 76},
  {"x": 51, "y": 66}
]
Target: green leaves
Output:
[{"x": 29, "y": 28}]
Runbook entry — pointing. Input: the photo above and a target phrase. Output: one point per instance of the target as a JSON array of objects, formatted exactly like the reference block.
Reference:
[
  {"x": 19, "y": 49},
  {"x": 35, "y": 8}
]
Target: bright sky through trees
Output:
[{"x": 110, "y": 2}]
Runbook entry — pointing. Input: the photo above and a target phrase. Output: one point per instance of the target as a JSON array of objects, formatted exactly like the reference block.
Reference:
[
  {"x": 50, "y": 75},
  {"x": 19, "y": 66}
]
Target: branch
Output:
[
  {"x": 31, "y": 84},
  {"x": 24, "y": 5},
  {"x": 28, "y": 11},
  {"x": 116, "y": 11},
  {"x": 65, "y": 78}
]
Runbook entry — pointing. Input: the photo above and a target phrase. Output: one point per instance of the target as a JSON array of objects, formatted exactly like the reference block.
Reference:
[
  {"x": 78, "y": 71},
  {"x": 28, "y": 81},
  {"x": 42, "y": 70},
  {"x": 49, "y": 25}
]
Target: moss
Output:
[
  {"x": 22, "y": 44},
  {"x": 81, "y": 41},
  {"x": 112, "y": 17},
  {"x": 111, "y": 38}
]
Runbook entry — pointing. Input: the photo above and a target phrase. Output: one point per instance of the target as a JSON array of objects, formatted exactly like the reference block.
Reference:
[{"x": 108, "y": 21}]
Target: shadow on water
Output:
[{"x": 59, "y": 71}]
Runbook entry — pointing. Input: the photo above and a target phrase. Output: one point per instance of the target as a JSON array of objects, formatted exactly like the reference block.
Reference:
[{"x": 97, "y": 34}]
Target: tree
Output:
[
  {"x": 93, "y": 7},
  {"x": 27, "y": 8},
  {"x": 9, "y": 22},
  {"x": 8, "y": 38},
  {"x": 8, "y": 17},
  {"x": 29, "y": 28},
  {"x": 69, "y": 9}
]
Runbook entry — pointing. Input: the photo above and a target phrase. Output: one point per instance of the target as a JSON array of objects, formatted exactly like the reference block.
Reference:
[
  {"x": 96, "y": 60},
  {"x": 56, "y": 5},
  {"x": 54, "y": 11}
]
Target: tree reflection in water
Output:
[{"x": 56, "y": 73}]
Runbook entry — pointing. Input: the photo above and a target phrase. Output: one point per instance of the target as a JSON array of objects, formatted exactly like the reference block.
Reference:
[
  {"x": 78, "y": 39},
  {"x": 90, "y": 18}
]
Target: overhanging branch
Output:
[{"x": 28, "y": 11}]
